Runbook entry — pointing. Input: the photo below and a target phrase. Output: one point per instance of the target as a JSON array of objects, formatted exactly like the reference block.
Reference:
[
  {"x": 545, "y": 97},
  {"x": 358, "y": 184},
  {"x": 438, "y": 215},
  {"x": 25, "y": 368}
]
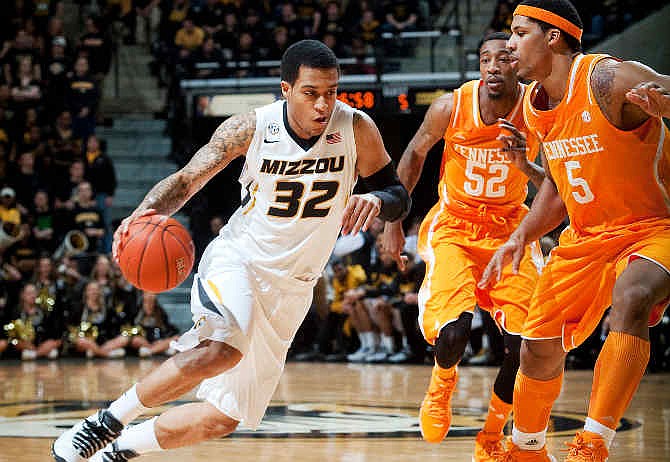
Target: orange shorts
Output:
[
  {"x": 456, "y": 249},
  {"x": 576, "y": 285}
]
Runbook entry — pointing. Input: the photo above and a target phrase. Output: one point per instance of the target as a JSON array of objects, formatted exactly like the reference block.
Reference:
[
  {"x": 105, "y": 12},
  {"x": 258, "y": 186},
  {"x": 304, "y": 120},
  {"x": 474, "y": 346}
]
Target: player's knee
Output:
[
  {"x": 217, "y": 425},
  {"x": 451, "y": 343},
  {"x": 214, "y": 358},
  {"x": 542, "y": 359},
  {"x": 630, "y": 306}
]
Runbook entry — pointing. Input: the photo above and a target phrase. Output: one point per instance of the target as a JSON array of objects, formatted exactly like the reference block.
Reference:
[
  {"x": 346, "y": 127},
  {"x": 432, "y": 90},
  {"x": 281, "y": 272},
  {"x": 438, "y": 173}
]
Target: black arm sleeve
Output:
[{"x": 386, "y": 185}]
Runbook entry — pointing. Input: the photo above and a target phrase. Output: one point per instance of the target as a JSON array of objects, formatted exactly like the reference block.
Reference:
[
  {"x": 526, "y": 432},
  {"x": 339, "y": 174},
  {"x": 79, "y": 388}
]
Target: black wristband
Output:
[{"x": 395, "y": 200}]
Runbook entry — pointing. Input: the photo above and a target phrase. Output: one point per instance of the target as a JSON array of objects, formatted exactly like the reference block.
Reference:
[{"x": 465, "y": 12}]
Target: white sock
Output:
[
  {"x": 387, "y": 343},
  {"x": 529, "y": 441},
  {"x": 594, "y": 426},
  {"x": 127, "y": 407},
  {"x": 366, "y": 340},
  {"x": 140, "y": 438},
  {"x": 375, "y": 340},
  {"x": 405, "y": 343}
]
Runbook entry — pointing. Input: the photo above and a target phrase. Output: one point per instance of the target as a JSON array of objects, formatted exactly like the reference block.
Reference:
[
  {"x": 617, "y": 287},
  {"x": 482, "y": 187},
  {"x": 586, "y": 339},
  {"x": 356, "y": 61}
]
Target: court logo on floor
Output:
[{"x": 291, "y": 420}]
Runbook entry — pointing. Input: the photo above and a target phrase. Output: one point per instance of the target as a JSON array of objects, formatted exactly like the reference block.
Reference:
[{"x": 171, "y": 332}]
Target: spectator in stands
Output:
[
  {"x": 310, "y": 15},
  {"x": 64, "y": 146},
  {"x": 56, "y": 29},
  {"x": 125, "y": 297},
  {"x": 44, "y": 280},
  {"x": 100, "y": 173},
  {"x": 97, "y": 333},
  {"x": 254, "y": 25},
  {"x": 368, "y": 29},
  {"x": 152, "y": 329},
  {"x": 43, "y": 222},
  {"x": 23, "y": 254},
  {"x": 97, "y": 48},
  {"x": 289, "y": 19},
  {"x": 82, "y": 99},
  {"x": 65, "y": 190},
  {"x": 210, "y": 17},
  {"x": 502, "y": 18},
  {"x": 23, "y": 47},
  {"x": 332, "y": 21},
  {"x": 228, "y": 35},
  {"x": 246, "y": 55},
  {"x": 26, "y": 91},
  {"x": 70, "y": 284},
  {"x": 87, "y": 217},
  {"x": 333, "y": 43},
  {"x": 208, "y": 61},
  {"x": 103, "y": 273},
  {"x": 55, "y": 72},
  {"x": 31, "y": 335},
  {"x": 278, "y": 46},
  {"x": 9, "y": 213},
  {"x": 400, "y": 16},
  {"x": 189, "y": 37},
  {"x": 215, "y": 224},
  {"x": 25, "y": 181}
]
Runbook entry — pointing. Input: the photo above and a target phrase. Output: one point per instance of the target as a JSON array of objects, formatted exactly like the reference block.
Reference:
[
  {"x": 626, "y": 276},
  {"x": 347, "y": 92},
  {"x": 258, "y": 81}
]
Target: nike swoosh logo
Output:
[{"x": 266, "y": 141}]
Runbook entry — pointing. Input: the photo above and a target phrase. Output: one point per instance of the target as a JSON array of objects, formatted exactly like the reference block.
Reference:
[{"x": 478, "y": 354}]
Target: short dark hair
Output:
[
  {"x": 493, "y": 36},
  {"x": 309, "y": 53},
  {"x": 564, "y": 9}
]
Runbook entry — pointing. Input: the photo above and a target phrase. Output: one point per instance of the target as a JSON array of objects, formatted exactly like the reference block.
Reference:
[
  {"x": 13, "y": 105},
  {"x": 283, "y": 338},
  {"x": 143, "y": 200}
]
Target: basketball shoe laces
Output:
[
  {"x": 493, "y": 448},
  {"x": 439, "y": 393},
  {"x": 582, "y": 449},
  {"x": 93, "y": 436},
  {"x": 117, "y": 455}
]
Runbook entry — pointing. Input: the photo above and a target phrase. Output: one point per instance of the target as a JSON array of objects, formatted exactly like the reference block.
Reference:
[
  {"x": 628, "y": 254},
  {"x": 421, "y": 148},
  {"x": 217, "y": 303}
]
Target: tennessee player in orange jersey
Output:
[
  {"x": 483, "y": 183},
  {"x": 607, "y": 157}
]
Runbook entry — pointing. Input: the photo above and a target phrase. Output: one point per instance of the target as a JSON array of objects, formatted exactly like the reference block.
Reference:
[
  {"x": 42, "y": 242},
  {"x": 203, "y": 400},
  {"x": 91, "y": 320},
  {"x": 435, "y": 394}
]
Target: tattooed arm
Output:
[
  {"x": 230, "y": 140},
  {"x": 629, "y": 92}
]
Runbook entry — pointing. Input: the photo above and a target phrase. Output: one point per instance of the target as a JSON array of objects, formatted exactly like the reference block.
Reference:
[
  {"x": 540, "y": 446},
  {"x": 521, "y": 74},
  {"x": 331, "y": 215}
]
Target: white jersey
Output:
[{"x": 293, "y": 199}]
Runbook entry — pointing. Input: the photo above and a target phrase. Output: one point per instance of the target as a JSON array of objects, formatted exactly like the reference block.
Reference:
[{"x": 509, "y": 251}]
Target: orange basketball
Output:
[{"x": 157, "y": 254}]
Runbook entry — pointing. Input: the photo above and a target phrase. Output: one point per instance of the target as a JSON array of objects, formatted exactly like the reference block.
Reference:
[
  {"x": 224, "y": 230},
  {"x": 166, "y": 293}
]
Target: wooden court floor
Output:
[{"x": 320, "y": 413}]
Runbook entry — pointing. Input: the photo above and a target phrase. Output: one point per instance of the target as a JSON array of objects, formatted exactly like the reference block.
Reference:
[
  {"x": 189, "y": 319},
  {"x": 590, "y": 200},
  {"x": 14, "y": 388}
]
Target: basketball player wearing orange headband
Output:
[{"x": 607, "y": 160}]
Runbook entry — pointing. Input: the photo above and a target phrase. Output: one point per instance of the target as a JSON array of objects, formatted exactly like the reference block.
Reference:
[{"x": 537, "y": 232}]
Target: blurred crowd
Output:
[{"x": 59, "y": 292}]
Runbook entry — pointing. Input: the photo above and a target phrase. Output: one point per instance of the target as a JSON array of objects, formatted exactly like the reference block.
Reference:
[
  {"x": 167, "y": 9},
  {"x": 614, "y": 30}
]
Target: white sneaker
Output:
[
  {"x": 116, "y": 353},
  {"x": 53, "y": 353},
  {"x": 90, "y": 354},
  {"x": 87, "y": 437},
  {"x": 28, "y": 355},
  {"x": 111, "y": 453},
  {"x": 170, "y": 352},
  {"x": 378, "y": 356},
  {"x": 144, "y": 352},
  {"x": 402, "y": 356},
  {"x": 359, "y": 355}
]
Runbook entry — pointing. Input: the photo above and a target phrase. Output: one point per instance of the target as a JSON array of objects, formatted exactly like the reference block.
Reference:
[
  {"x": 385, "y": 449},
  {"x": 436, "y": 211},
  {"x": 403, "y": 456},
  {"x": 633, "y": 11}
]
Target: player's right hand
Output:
[
  {"x": 393, "y": 241},
  {"x": 122, "y": 230},
  {"x": 513, "y": 251}
]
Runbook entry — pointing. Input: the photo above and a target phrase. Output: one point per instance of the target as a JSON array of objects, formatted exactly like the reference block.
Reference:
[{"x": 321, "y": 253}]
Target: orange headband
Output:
[{"x": 549, "y": 18}]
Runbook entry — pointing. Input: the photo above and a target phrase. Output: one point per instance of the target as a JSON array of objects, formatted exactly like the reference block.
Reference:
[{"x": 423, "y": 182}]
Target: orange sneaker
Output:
[
  {"x": 516, "y": 454},
  {"x": 435, "y": 414},
  {"x": 587, "y": 447},
  {"x": 488, "y": 447}
]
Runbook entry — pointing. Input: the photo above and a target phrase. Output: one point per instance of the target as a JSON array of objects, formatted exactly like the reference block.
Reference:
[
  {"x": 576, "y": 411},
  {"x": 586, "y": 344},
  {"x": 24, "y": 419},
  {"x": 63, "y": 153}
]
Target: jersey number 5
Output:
[
  {"x": 289, "y": 194},
  {"x": 494, "y": 188},
  {"x": 585, "y": 195}
]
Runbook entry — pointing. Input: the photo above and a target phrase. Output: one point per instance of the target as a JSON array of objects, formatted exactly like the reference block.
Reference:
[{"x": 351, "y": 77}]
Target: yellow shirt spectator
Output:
[
  {"x": 354, "y": 277},
  {"x": 189, "y": 37}
]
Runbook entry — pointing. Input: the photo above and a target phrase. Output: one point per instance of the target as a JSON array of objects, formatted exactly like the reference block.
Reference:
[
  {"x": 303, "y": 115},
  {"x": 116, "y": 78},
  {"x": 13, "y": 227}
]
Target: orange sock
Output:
[
  {"x": 499, "y": 412},
  {"x": 618, "y": 373},
  {"x": 445, "y": 374},
  {"x": 533, "y": 400}
]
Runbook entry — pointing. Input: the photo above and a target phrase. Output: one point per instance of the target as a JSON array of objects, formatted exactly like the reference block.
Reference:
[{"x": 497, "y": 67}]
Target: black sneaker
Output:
[
  {"x": 86, "y": 438},
  {"x": 112, "y": 453}
]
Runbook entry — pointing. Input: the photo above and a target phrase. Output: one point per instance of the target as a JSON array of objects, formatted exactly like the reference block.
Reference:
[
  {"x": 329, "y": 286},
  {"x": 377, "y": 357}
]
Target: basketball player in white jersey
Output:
[{"x": 254, "y": 282}]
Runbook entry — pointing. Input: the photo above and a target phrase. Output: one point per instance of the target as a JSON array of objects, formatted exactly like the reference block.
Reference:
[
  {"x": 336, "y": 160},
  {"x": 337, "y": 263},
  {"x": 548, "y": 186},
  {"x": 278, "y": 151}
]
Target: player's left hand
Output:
[
  {"x": 651, "y": 97},
  {"x": 361, "y": 209},
  {"x": 514, "y": 143}
]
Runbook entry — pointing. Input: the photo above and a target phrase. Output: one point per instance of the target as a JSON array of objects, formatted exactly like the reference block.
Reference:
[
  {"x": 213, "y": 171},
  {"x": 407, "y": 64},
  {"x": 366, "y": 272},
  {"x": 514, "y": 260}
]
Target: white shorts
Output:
[{"x": 256, "y": 312}]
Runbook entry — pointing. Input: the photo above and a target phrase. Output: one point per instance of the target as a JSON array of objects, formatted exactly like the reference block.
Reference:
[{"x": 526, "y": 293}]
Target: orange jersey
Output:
[
  {"x": 607, "y": 177},
  {"x": 474, "y": 169}
]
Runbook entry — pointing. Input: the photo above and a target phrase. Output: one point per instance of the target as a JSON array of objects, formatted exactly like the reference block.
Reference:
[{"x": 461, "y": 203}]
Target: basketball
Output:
[{"x": 156, "y": 254}]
